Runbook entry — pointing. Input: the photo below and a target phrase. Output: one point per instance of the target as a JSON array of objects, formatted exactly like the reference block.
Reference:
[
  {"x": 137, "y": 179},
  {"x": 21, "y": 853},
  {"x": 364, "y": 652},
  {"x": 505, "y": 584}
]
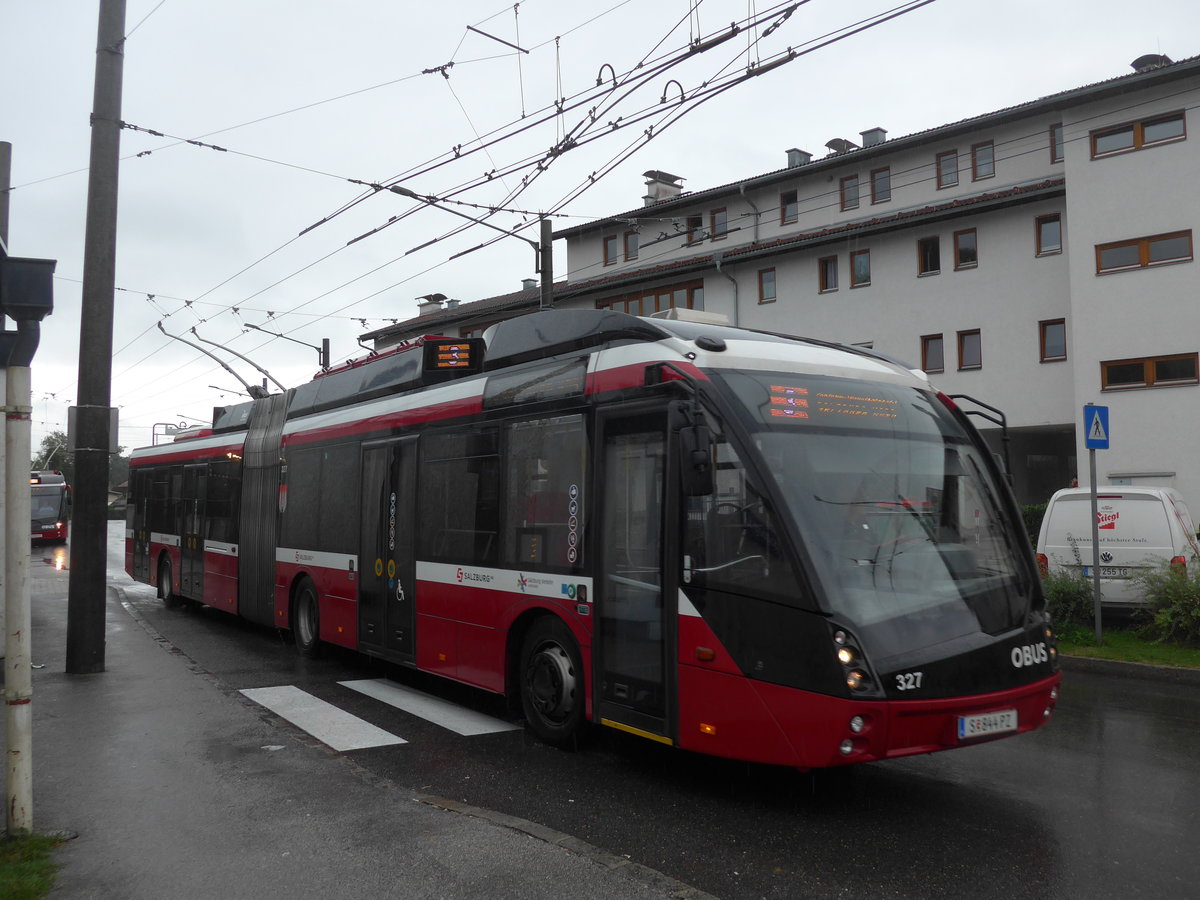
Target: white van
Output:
[{"x": 1139, "y": 527}]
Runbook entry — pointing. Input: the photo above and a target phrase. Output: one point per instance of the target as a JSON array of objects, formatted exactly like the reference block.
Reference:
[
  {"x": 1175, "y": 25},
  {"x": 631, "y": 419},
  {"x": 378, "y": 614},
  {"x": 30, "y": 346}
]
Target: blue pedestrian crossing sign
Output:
[{"x": 1095, "y": 427}]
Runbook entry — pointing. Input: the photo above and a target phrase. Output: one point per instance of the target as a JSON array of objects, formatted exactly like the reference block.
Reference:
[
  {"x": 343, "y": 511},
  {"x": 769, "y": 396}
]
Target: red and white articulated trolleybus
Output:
[
  {"x": 765, "y": 548},
  {"x": 49, "y": 506}
]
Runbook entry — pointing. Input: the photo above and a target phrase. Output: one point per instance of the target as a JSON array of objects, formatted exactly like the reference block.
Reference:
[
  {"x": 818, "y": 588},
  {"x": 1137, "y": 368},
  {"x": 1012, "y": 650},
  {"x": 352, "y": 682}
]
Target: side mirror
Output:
[{"x": 696, "y": 460}]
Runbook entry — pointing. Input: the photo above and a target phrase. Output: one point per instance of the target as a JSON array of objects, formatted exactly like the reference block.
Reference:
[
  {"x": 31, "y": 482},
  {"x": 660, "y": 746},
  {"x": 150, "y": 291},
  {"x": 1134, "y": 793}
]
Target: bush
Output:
[
  {"x": 1069, "y": 599},
  {"x": 1033, "y": 515},
  {"x": 1174, "y": 597}
]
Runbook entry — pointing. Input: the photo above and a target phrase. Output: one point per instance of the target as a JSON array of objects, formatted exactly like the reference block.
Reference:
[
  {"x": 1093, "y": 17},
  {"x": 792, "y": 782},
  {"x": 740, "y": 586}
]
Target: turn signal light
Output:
[
  {"x": 1179, "y": 565},
  {"x": 705, "y": 728},
  {"x": 1043, "y": 565}
]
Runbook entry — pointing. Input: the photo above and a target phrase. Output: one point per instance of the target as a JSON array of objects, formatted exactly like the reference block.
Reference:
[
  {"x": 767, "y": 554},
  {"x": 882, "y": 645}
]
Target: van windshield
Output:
[{"x": 896, "y": 508}]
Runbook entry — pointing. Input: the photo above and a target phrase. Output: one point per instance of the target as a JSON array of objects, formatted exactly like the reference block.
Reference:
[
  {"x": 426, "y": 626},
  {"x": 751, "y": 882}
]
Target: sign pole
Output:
[{"x": 1095, "y": 547}]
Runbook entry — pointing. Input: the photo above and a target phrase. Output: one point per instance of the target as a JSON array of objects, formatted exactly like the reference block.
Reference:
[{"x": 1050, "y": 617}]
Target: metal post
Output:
[
  {"x": 18, "y": 677},
  {"x": 5, "y": 185},
  {"x": 89, "y": 545},
  {"x": 1095, "y": 547},
  {"x": 546, "y": 260}
]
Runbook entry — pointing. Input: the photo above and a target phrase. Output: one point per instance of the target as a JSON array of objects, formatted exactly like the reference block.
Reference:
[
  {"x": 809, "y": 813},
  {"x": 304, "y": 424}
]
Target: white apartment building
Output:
[{"x": 1036, "y": 258}]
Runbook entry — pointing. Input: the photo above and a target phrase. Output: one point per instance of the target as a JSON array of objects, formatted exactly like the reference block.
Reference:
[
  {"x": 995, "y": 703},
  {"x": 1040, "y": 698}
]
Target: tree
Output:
[{"x": 52, "y": 454}]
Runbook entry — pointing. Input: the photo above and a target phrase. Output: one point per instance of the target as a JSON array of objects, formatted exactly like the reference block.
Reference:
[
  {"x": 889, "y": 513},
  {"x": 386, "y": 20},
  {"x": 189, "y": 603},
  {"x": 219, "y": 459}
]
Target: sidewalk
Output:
[{"x": 176, "y": 787}]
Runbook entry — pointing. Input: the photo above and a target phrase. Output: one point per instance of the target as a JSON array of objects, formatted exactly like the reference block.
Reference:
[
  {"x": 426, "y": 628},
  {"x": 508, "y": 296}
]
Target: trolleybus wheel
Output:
[
  {"x": 552, "y": 682},
  {"x": 306, "y": 620},
  {"x": 165, "y": 594}
]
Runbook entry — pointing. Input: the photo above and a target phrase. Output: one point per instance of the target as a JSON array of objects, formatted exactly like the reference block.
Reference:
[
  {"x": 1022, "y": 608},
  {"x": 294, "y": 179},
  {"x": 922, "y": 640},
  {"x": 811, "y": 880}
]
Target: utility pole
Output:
[
  {"x": 93, "y": 441},
  {"x": 546, "y": 260},
  {"x": 5, "y": 189}
]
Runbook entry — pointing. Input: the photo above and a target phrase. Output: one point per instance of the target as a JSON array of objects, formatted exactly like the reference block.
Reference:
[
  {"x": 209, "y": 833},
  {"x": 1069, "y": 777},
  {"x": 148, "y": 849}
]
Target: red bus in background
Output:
[
  {"x": 49, "y": 506},
  {"x": 759, "y": 547}
]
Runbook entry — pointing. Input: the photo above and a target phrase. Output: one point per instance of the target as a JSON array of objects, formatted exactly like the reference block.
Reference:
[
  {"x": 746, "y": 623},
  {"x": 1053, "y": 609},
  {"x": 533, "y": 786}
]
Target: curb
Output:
[{"x": 1142, "y": 671}]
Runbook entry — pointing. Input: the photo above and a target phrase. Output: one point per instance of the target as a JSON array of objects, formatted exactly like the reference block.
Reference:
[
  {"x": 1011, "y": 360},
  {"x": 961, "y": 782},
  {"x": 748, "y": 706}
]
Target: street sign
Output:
[{"x": 1095, "y": 427}]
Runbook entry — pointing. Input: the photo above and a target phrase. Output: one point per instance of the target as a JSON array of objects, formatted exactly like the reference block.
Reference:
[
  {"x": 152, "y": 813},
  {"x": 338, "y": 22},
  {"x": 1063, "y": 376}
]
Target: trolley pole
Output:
[{"x": 89, "y": 545}]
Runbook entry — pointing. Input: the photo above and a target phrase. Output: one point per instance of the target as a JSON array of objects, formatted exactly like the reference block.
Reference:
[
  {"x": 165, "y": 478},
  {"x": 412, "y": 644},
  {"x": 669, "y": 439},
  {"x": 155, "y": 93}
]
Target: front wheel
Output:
[
  {"x": 169, "y": 598},
  {"x": 306, "y": 620},
  {"x": 552, "y": 682}
]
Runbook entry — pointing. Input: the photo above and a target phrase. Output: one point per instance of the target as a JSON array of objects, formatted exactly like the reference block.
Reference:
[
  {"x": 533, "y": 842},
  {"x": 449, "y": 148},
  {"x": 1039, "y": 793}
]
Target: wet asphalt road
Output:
[{"x": 1103, "y": 802}]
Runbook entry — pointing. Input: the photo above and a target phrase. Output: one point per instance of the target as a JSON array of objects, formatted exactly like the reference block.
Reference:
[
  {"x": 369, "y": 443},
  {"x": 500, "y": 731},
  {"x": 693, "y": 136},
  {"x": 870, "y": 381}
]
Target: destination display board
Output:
[
  {"x": 461, "y": 355},
  {"x": 800, "y": 403}
]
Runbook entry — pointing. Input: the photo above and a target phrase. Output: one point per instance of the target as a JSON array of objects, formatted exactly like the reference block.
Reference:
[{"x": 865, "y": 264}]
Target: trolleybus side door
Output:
[
  {"x": 138, "y": 523},
  {"x": 191, "y": 553},
  {"x": 388, "y": 568},
  {"x": 636, "y": 588}
]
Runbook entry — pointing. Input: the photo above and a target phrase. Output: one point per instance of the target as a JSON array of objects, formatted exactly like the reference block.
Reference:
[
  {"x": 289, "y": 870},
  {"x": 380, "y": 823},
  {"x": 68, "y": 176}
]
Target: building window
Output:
[
  {"x": 849, "y": 192},
  {"x": 610, "y": 249},
  {"x": 1049, "y": 234},
  {"x": 970, "y": 350},
  {"x": 1144, "y": 252},
  {"x": 1155, "y": 371},
  {"x": 947, "y": 169},
  {"x": 695, "y": 229},
  {"x": 929, "y": 257},
  {"x": 631, "y": 245},
  {"x": 881, "y": 185},
  {"x": 1136, "y": 135},
  {"x": 966, "y": 249},
  {"x": 789, "y": 208},
  {"x": 933, "y": 357},
  {"x": 827, "y": 269},
  {"x": 983, "y": 161},
  {"x": 719, "y": 223},
  {"x": 1052, "y": 339},
  {"x": 1056, "y": 142},
  {"x": 688, "y": 295},
  {"x": 860, "y": 268},
  {"x": 766, "y": 285}
]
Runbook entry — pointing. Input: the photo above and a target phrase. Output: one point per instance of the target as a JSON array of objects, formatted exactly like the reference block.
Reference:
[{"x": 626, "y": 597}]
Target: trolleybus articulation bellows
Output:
[{"x": 766, "y": 548}]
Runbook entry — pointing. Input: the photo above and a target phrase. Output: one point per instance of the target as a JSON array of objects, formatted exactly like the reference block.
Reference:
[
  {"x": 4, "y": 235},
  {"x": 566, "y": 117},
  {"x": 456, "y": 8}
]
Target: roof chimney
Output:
[
  {"x": 528, "y": 284},
  {"x": 873, "y": 136},
  {"x": 661, "y": 186},
  {"x": 1150, "y": 61},
  {"x": 840, "y": 145},
  {"x": 430, "y": 303},
  {"x": 798, "y": 158}
]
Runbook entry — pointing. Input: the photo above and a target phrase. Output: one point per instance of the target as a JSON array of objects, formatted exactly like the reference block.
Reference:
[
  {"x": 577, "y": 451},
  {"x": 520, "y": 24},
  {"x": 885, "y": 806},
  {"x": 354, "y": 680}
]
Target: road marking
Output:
[
  {"x": 322, "y": 720},
  {"x": 440, "y": 712}
]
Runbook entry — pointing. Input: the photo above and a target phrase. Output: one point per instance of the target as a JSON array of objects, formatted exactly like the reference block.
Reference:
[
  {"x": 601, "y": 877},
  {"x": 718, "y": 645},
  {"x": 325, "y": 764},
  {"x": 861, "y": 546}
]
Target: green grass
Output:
[
  {"x": 1125, "y": 644},
  {"x": 26, "y": 872}
]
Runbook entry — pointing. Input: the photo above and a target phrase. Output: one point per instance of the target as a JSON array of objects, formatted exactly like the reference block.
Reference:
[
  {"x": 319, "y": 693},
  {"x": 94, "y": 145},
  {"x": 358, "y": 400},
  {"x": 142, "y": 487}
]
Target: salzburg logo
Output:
[
  {"x": 522, "y": 582},
  {"x": 460, "y": 574}
]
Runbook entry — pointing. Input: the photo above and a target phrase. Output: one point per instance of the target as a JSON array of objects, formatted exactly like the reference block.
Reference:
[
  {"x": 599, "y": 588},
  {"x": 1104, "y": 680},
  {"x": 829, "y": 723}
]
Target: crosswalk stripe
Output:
[
  {"x": 322, "y": 720},
  {"x": 440, "y": 712}
]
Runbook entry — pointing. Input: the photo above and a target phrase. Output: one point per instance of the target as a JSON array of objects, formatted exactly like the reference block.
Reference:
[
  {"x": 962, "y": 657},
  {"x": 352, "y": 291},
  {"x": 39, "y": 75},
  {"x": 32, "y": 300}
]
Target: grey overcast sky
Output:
[{"x": 308, "y": 96}]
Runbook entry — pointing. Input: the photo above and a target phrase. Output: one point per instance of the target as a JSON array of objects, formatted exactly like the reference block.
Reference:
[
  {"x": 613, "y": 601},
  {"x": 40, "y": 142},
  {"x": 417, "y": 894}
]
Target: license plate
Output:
[
  {"x": 984, "y": 724},
  {"x": 1108, "y": 571}
]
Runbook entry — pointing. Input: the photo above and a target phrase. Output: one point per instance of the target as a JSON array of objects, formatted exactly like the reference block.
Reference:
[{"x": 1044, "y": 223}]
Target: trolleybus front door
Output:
[
  {"x": 387, "y": 588},
  {"x": 135, "y": 517},
  {"x": 635, "y": 605}
]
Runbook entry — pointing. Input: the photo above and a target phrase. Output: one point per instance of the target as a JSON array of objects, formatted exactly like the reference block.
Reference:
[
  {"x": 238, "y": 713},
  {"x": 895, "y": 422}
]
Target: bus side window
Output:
[
  {"x": 546, "y": 467},
  {"x": 459, "y": 508}
]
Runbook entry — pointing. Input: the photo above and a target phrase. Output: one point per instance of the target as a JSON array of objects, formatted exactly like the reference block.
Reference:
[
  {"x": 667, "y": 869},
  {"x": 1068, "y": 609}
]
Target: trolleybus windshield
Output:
[{"x": 896, "y": 508}]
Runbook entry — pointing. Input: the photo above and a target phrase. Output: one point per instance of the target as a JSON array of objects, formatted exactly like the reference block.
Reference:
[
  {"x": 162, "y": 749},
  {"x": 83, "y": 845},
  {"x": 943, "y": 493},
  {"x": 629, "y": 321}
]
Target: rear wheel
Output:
[
  {"x": 552, "y": 682},
  {"x": 165, "y": 593},
  {"x": 306, "y": 619}
]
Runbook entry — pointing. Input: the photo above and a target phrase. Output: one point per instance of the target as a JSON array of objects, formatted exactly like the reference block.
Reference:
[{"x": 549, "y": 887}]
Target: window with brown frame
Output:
[
  {"x": 789, "y": 208},
  {"x": 1136, "y": 135},
  {"x": 933, "y": 353},
  {"x": 881, "y": 185},
  {"x": 1052, "y": 340},
  {"x": 1143, "y": 253},
  {"x": 688, "y": 295},
  {"x": 610, "y": 249},
  {"x": 970, "y": 349},
  {"x": 860, "y": 268},
  {"x": 1150, "y": 371},
  {"x": 929, "y": 256},
  {"x": 966, "y": 249},
  {"x": 947, "y": 169},
  {"x": 827, "y": 273},
  {"x": 1056, "y": 142},
  {"x": 848, "y": 190},
  {"x": 983, "y": 160},
  {"x": 631, "y": 245},
  {"x": 766, "y": 285},
  {"x": 718, "y": 224},
  {"x": 695, "y": 229},
  {"x": 1049, "y": 234}
]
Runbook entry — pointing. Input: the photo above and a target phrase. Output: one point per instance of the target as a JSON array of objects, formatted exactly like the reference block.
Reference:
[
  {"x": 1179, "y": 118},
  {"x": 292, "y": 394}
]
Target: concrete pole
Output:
[
  {"x": 89, "y": 544},
  {"x": 18, "y": 681},
  {"x": 5, "y": 186},
  {"x": 546, "y": 253}
]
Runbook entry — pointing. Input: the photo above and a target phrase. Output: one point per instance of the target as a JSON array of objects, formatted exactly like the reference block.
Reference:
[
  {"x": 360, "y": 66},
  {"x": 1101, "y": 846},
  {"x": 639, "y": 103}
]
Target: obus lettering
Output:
[{"x": 1030, "y": 655}]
